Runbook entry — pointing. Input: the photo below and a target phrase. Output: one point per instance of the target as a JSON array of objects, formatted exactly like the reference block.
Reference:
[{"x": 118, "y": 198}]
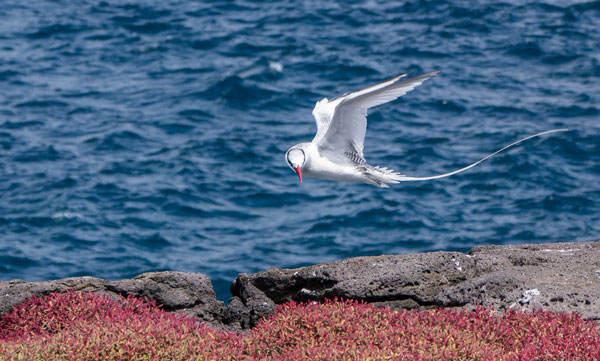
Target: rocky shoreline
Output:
[{"x": 561, "y": 277}]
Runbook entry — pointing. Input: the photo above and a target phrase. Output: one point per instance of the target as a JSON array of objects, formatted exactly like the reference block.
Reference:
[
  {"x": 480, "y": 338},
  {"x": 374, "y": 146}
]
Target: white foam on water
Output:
[
  {"x": 275, "y": 66},
  {"x": 58, "y": 216}
]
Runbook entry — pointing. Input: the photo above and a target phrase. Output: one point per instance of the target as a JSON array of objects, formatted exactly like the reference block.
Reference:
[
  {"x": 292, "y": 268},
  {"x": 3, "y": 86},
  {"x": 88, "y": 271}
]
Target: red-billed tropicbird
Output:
[{"x": 336, "y": 152}]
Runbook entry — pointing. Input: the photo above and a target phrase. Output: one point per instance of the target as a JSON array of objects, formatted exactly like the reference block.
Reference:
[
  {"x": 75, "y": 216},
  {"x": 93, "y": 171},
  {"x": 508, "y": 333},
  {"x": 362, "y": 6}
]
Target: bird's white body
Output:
[
  {"x": 336, "y": 152},
  {"x": 323, "y": 168}
]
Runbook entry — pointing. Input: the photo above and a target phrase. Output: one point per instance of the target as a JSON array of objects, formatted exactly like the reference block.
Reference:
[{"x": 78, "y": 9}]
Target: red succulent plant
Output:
[{"x": 87, "y": 326}]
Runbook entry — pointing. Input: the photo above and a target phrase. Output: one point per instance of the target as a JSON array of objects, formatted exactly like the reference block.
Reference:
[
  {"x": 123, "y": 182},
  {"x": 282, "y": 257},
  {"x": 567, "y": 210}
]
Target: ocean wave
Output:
[
  {"x": 115, "y": 141},
  {"x": 53, "y": 30},
  {"x": 41, "y": 154},
  {"x": 151, "y": 135},
  {"x": 236, "y": 92}
]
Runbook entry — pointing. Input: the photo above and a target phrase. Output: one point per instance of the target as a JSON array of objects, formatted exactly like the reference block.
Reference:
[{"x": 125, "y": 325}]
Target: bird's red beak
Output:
[{"x": 299, "y": 171}]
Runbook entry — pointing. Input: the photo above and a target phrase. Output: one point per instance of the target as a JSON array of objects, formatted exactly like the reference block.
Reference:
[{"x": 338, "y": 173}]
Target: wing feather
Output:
[
  {"x": 323, "y": 113},
  {"x": 347, "y": 123},
  {"x": 325, "y": 108}
]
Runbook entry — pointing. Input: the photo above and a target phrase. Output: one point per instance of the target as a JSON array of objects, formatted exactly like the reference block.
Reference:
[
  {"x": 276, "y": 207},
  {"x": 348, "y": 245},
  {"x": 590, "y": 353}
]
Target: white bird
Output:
[{"x": 336, "y": 152}]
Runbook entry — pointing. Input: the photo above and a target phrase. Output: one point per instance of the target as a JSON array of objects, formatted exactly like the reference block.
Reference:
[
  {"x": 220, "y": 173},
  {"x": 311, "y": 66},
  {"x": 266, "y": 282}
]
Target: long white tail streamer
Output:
[{"x": 405, "y": 178}]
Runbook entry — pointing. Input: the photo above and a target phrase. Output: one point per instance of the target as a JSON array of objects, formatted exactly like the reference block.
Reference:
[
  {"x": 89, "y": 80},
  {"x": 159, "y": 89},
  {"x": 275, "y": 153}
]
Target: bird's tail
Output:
[
  {"x": 380, "y": 176},
  {"x": 395, "y": 177}
]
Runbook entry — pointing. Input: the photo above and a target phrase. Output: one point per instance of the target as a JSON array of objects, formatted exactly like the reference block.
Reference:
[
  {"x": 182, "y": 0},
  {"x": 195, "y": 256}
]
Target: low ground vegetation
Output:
[{"x": 87, "y": 326}]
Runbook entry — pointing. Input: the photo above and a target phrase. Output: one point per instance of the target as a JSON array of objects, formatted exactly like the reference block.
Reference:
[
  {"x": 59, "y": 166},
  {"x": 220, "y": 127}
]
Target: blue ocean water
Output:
[{"x": 150, "y": 135}]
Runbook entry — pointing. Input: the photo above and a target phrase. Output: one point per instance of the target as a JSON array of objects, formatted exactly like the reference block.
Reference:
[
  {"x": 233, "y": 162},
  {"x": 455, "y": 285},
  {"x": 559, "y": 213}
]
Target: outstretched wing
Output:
[
  {"x": 342, "y": 122},
  {"x": 323, "y": 113}
]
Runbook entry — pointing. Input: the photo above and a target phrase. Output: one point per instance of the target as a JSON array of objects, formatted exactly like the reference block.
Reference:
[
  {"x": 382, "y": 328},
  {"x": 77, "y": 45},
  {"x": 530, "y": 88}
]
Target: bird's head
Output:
[{"x": 295, "y": 158}]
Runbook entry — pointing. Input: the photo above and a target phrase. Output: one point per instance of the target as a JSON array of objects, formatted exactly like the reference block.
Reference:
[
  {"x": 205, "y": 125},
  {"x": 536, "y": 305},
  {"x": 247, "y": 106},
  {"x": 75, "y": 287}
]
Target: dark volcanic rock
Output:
[
  {"x": 248, "y": 305},
  {"x": 401, "y": 281},
  {"x": 16, "y": 291},
  {"x": 190, "y": 293},
  {"x": 562, "y": 277}
]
